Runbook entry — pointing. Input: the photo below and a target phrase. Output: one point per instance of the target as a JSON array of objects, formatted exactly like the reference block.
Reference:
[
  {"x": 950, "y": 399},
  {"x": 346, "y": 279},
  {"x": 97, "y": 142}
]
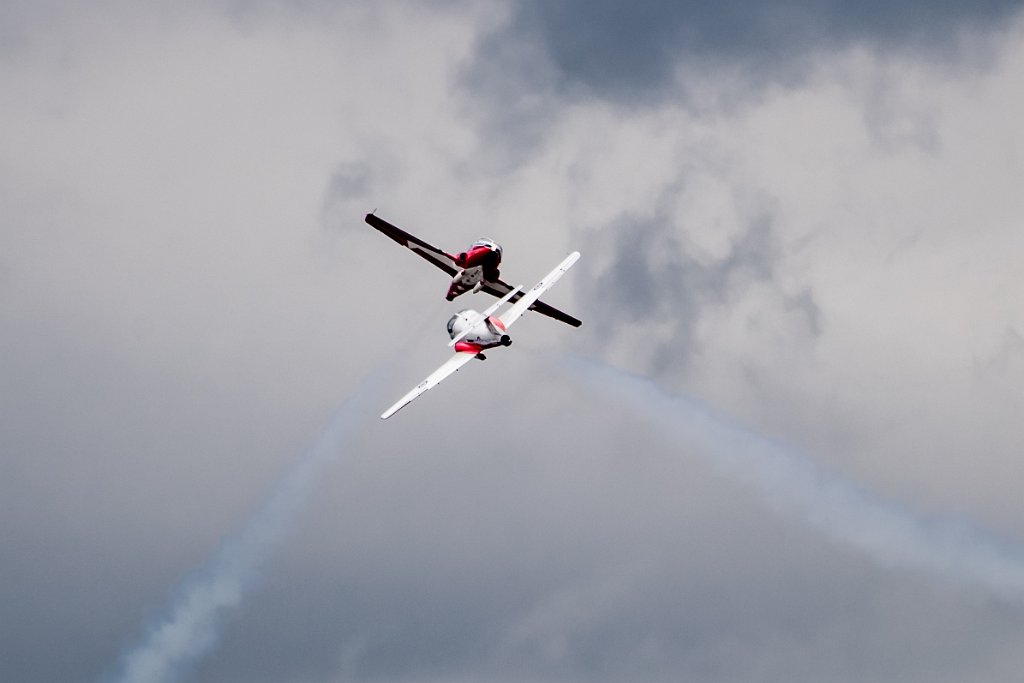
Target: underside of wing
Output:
[
  {"x": 429, "y": 252},
  {"x": 452, "y": 364},
  {"x": 499, "y": 289},
  {"x": 529, "y": 299}
]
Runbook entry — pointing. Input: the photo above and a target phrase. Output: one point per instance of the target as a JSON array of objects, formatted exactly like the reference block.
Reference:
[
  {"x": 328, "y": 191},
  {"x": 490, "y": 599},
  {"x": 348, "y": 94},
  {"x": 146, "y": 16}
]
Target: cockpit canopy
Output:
[
  {"x": 453, "y": 323},
  {"x": 488, "y": 243}
]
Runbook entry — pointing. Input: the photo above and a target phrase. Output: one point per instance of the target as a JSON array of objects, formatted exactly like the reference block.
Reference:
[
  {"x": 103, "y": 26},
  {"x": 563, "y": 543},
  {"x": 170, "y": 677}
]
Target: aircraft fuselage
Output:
[{"x": 477, "y": 265}]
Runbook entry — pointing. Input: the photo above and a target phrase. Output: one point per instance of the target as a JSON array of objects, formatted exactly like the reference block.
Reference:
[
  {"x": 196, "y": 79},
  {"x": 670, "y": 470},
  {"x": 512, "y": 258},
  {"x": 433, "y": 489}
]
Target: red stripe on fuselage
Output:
[{"x": 467, "y": 347}]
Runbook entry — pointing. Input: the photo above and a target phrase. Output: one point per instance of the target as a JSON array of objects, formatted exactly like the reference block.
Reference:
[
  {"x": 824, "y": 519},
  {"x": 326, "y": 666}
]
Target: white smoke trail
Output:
[
  {"x": 947, "y": 547},
  {"x": 192, "y": 622}
]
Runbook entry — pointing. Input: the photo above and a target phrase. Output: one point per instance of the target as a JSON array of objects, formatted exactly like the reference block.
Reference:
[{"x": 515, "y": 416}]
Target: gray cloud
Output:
[
  {"x": 629, "y": 51},
  {"x": 645, "y": 278},
  {"x": 193, "y": 620},
  {"x": 707, "y": 56},
  {"x": 347, "y": 192},
  {"x": 189, "y": 289},
  {"x": 627, "y": 577}
]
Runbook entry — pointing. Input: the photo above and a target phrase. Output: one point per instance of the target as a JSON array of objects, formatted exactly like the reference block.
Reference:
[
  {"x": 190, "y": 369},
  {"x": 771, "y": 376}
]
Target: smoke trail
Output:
[
  {"x": 191, "y": 624},
  {"x": 947, "y": 547}
]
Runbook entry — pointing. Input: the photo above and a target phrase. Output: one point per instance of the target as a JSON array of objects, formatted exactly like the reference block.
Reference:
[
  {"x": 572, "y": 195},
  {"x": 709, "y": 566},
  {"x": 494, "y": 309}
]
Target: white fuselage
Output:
[{"x": 486, "y": 334}]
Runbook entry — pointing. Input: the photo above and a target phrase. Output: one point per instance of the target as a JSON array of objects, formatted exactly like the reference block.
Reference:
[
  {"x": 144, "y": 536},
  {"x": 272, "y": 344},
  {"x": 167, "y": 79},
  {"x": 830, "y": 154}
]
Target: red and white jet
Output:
[
  {"x": 473, "y": 332},
  {"x": 475, "y": 269}
]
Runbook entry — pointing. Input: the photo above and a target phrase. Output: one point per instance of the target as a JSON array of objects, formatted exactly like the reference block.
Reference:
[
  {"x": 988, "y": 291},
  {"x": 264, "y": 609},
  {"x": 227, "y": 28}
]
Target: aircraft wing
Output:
[
  {"x": 452, "y": 364},
  {"x": 513, "y": 313},
  {"x": 442, "y": 260},
  {"x": 499, "y": 289}
]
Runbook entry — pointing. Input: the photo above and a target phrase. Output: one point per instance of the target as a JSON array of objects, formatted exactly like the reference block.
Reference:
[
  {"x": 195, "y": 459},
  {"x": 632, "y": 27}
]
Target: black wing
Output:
[
  {"x": 442, "y": 260},
  {"x": 499, "y": 289}
]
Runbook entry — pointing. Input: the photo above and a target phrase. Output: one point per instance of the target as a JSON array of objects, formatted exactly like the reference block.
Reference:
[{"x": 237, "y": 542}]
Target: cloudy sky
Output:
[{"x": 802, "y": 219}]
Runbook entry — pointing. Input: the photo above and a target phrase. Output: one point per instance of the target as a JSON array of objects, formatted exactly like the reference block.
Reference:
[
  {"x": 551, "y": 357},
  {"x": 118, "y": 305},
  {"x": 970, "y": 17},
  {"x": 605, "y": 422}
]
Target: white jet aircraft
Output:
[{"x": 473, "y": 332}]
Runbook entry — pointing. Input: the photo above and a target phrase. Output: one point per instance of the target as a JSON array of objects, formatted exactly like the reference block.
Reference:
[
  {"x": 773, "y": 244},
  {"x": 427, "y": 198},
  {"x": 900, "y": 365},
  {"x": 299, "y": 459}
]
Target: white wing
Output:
[
  {"x": 453, "y": 364},
  {"x": 519, "y": 307},
  {"x": 480, "y": 317}
]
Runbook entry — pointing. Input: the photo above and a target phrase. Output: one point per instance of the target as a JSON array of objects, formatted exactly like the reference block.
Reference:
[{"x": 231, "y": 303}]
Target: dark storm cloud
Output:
[{"x": 623, "y": 51}]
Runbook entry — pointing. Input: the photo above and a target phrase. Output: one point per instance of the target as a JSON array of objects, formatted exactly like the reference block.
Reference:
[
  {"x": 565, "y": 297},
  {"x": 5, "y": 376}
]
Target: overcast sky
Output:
[{"x": 804, "y": 217}]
